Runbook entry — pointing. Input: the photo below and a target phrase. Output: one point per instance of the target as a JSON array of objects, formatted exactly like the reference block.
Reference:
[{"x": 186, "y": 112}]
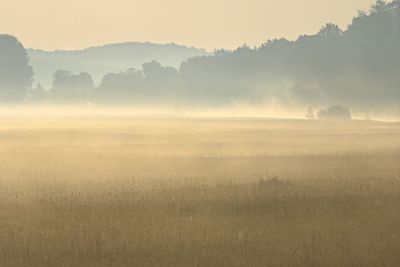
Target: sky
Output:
[{"x": 209, "y": 24}]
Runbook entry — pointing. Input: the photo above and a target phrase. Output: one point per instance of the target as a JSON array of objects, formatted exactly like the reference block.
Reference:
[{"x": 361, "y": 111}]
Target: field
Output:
[{"x": 136, "y": 191}]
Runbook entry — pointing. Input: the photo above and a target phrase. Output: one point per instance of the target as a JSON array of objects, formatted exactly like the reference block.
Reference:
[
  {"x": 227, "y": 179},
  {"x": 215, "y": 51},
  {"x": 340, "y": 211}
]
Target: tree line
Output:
[{"x": 358, "y": 67}]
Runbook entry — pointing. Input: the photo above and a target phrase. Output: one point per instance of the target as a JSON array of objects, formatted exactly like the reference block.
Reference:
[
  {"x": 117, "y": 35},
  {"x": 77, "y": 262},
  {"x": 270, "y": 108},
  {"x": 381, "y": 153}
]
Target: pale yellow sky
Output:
[{"x": 73, "y": 24}]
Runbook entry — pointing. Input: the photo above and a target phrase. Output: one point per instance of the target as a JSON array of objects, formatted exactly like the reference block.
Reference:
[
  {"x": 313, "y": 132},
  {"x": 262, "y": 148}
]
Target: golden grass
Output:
[{"x": 113, "y": 191}]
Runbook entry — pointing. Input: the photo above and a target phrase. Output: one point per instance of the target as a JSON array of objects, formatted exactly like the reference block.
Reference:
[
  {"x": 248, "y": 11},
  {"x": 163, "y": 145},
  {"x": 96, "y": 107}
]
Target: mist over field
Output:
[
  {"x": 112, "y": 190},
  {"x": 136, "y": 153},
  {"x": 357, "y": 67}
]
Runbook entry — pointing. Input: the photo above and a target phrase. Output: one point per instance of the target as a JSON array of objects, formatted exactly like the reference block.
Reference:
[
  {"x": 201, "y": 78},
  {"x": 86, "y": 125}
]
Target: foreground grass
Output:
[
  {"x": 110, "y": 192},
  {"x": 271, "y": 223}
]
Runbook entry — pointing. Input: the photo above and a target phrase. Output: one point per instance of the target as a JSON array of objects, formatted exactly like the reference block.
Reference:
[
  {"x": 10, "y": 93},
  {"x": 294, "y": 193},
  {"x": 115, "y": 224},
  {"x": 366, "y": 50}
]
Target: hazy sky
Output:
[{"x": 72, "y": 24}]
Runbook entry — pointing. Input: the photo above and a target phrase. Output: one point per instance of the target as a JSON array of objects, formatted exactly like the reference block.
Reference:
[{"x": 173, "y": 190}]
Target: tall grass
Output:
[{"x": 173, "y": 192}]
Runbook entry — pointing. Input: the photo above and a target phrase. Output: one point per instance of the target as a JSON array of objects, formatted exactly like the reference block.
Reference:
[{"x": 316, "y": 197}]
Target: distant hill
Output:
[{"x": 100, "y": 60}]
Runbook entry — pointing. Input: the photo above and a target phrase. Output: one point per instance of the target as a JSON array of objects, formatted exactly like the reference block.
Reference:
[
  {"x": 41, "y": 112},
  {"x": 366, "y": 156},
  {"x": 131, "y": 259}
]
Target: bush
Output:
[{"x": 335, "y": 113}]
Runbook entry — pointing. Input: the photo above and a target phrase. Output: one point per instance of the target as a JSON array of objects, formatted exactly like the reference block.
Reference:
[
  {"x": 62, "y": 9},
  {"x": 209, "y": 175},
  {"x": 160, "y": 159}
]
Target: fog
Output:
[
  {"x": 140, "y": 154},
  {"x": 357, "y": 68}
]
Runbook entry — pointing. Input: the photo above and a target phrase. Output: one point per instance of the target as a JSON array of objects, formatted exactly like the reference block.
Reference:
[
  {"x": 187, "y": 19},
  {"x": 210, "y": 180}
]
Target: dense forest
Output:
[
  {"x": 358, "y": 67},
  {"x": 100, "y": 60}
]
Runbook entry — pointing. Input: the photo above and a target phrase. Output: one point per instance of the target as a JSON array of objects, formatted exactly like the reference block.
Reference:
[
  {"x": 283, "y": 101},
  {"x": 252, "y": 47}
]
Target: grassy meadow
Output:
[{"x": 137, "y": 191}]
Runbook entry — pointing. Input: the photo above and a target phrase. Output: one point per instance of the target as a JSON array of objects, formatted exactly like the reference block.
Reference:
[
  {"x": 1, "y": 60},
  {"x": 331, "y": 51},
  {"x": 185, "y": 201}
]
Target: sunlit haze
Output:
[
  {"x": 199, "y": 133},
  {"x": 209, "y": 24}
]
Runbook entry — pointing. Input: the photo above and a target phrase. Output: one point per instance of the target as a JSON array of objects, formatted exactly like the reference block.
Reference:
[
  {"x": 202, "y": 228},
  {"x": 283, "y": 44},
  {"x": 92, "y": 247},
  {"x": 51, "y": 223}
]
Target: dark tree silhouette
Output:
[
  {"x": 330, "y": 30},
  {"x": 123, "y": 87},
  {"x": 335, "y": 113},
  {"x": 15, "y": 71},
  {"x": 72, "y": 88},
  {"x": 358, "y": 66}
]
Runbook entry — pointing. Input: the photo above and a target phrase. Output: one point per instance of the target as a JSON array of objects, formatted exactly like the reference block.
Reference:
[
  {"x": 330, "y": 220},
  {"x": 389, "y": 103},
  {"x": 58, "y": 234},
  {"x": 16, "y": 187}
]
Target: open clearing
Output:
[{"x": 135, "y": 191}]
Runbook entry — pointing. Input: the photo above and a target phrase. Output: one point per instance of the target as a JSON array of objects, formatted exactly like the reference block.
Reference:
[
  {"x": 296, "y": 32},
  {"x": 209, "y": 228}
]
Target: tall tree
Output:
[{"x": 15, "y": 72}]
